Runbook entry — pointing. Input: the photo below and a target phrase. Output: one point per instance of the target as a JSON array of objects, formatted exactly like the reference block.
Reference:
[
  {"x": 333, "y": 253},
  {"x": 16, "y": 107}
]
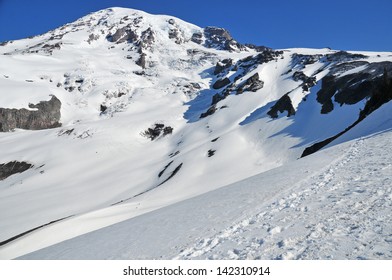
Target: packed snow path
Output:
[{"x": 342, "y": 213}]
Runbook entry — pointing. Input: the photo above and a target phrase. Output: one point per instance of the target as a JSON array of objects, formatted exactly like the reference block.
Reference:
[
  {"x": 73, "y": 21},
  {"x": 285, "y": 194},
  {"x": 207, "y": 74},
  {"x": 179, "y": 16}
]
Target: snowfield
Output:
[
  {"x": 175, "y": 141},
  {"x": 332, "y": 205}
]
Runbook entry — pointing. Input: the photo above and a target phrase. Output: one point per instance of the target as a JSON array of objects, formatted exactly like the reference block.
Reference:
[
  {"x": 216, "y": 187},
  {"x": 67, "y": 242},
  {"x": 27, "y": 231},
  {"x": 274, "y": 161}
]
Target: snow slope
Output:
[
  {"x": 120, "y": 72},
  {"x": 332, "y": 205}
]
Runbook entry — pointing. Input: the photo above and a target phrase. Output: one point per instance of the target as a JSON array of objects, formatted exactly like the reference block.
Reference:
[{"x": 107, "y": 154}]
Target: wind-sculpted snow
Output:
[{"x": 155, "y": 111}]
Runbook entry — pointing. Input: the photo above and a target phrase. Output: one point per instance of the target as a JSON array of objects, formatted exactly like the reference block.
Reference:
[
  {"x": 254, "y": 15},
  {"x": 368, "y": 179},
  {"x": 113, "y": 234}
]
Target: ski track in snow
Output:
[{"x": 353, "y": 216}]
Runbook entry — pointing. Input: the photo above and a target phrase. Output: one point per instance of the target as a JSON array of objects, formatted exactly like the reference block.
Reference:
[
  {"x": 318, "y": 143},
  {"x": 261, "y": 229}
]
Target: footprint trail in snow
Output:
[{"x": 341, "y": 213}]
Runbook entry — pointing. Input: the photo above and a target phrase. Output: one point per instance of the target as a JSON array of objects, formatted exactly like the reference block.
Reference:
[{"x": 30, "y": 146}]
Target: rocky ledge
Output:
[{"x": 47, "y": 115}]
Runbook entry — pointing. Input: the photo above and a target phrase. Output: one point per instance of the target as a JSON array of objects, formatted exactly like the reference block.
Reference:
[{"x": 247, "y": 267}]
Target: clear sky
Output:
[{"x": 339, "y": 24}]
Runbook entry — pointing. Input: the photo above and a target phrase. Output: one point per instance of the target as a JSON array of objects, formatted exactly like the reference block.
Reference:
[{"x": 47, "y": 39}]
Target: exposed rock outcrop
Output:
[
  {"x": 175, "y": 171},
  {"x": 13, "y": 167},
  {"x": 158, "y": 130},
  {"x": 197, "y": 38},
  {"x": 221, "y": 83},
  {"x": 343, "y": 56},
  {"x": 258, "y": 48},
  {"x": 124, "y": 34},
  {"x": 252, "y": 84},
  {"x": 217, "y": 38},
  {"x": 307, "y": 82},
  {"x": 380, "y": 95},
  {"x": 222, "y": 65},
  {"x": 299, "y": 61},
  {"x": 283, "y": 104},
  {"x": 142, "y": 60},
  {"x": 351, "y": 88},
  {"x": 46, "y": 116},
  {"x": 209, "y": 112},
  {"x": 147, "y": 39}
]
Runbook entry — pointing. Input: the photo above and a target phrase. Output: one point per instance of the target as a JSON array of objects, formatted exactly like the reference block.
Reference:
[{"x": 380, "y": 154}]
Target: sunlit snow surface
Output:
[
  {"x": 332, "y": 205},
  {"x": 98, "y": 169}
]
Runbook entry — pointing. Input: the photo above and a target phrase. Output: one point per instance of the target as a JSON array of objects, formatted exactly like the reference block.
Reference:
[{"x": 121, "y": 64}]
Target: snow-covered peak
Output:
[
  {"x": 141, "y": 111},
  {"x": 121, "y": 26}
]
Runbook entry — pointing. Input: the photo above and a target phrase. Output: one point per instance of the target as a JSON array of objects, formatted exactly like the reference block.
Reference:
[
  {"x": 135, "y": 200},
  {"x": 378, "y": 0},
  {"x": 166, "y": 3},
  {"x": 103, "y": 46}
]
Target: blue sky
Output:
[{"x": 339, "y": 24}]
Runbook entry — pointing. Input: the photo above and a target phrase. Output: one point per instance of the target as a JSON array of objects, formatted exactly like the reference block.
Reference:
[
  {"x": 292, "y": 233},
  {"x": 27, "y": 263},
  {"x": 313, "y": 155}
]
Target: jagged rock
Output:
[
  {"x": 124, "y": 34},
  {"x": 344, "y": 56},
  {"x": 302, "y": 59},
  {"x": 307, "y": 82},
  {"x": 250, "y": 63},
  {"x": 283, "y": 104},
  {"x": 252, "y": 84},
  {"x": 211, "y": 153},
  {"x": 158, "y": 130},
  {"x": 92, "y": 37},
  {"x": 195, "y": 85},
  {"x": 379, "y": 96},
  {"x": 142, "y": 61},
  {"x": 197, "y": 38},
  {"x": 103, "y": 108},
  {"x": 346, "y": 66},
  {"x": 221, "y": 83},
  {"x": 258, "y": 48},
  {"x": 222, "y": 65},
  {"x": 56, "y": 37},
  {"x": 220, "y": 38},
  {"x": 299, "y": 76},
  {"x": 198, "y": 56},
  {"x": 216, "y": 98},
  {"x": 147, "y": 38},
  {"x": 234, "y": 46},
  {"x": 50, "y": 48},
  {"x": 189, "y": 89},
  {"x": 176, "y": 35},
  {"x": 225, "y": 93},
  {"x": 209, "y": 112},
  {"x": 352, "y": 88},
  {"x": 47, "y": 116},
  {"x": 175, "y": 171},
  {"x": 13, "y": 167},
  {"x": 217, "y": 34},
  {"x": 267, "y": 56}
]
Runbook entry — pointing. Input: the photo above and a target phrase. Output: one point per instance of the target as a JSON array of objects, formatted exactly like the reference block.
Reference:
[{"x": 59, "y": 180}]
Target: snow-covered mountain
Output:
[{"x": 122, "y": 113}]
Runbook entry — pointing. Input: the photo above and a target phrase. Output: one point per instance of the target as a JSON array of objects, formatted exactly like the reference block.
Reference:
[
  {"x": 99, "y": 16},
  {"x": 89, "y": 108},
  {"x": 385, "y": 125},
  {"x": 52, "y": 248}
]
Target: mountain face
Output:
[{"x": 131, "y": 112}]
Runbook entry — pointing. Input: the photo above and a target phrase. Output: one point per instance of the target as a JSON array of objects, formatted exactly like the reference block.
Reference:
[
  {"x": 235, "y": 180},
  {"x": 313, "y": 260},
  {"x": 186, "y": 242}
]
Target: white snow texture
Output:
[{"x": 230, "y": 185}]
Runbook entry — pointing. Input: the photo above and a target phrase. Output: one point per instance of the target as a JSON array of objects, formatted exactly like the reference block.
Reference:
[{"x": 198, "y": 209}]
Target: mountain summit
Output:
[{"x": 121, "y": 113}]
